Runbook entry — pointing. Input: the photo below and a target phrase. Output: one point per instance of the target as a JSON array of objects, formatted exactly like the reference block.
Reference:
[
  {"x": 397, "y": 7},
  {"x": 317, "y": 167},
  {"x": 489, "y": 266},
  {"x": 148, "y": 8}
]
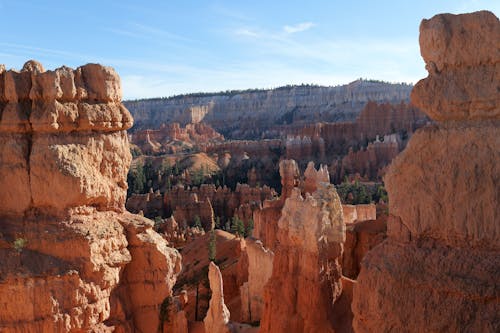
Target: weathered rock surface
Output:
[
  {"x": 66, "y": 241},
  {"x": 217, "y": 318},
  {"x": 361, "y": 212},
  {"x": 438, "y": 269},
  {"x": 260, "y": 268},
  {"x": 361, "y": 237},
  {"x": 230, "y": 254},
  {"x": 305, "y": 281},
  {"x": 462, "y": 56}
]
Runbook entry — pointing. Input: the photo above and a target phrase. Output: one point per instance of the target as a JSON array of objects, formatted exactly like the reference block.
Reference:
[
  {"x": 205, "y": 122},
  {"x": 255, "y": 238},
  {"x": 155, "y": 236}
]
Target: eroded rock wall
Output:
[
  {"x": 438, "y": 269},
  {"x": 66, "y": 239}
]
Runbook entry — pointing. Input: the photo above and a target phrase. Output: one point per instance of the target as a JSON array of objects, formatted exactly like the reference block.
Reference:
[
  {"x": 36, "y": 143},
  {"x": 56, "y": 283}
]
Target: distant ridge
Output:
[
  {"x": 251, "y": 113},
  {"x": 254, "y": 90}
]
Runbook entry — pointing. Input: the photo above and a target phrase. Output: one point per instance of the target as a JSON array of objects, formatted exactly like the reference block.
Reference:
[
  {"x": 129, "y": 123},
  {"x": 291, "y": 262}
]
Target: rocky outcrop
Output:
[
  {"x": 313, "y": 177},
  {"x": 438, "y": 269},
  {"x": 463, "y": 66},
  {"x": 172, "y": 314},
  {"x": 362, "y": 212},
  {"x": 361, "y": 237},
  {"x": 186, "y": 203},
  {"x": 169, "y": 137},
  {"x": 67, "y": 243},
  {"x": 305, "y": 281},
  {"x": 370, "y": 163},
  {"x": 150, "y": 204},
  {"x": 266, "y": 228},
  {"x": 260, "y": 268},
  {"x": 230, "y": 255},
  {"x": 217, "y": 318}
]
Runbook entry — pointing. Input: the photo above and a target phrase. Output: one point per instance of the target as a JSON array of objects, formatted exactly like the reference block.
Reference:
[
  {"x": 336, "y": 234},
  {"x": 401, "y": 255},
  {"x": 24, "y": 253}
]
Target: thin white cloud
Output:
[
  {"x": 246, "y": 32},
  {"x": 291, "y": 29}
]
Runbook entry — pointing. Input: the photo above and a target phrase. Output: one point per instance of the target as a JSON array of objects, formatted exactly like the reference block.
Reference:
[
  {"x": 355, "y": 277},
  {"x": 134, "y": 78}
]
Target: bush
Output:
[{"x": 20, "y": 244}]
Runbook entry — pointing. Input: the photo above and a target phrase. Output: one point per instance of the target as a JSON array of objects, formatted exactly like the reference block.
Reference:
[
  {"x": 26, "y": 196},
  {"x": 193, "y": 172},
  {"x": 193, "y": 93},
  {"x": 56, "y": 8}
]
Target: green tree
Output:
[
  {"x": 136, "y": 179},
  {"x": 212, "y": 246},
  {"x": 249, "y": 228},
  {"x": 197, "y": 222},
  {"x": 238, "y": 227}
]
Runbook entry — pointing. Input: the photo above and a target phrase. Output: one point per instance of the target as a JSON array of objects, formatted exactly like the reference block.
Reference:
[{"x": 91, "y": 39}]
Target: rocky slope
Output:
[
  {"x": 438, "y": 269},
  {"x": 72, "y": 259},
  {"x": 260, "y": 109}
]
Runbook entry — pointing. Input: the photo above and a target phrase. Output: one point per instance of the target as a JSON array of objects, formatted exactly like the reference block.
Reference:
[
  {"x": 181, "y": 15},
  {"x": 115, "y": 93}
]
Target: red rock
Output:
[
  {"x": 260, "y": 268},
  {"x": 217, "y": 317},
  {"x": 67, "y": 245},
  {"x": 306, "y": 274},
  {"x": 438, "y": 269},
  {"x": 461, "y": 54},
  {"x": 361, "y": 237}
]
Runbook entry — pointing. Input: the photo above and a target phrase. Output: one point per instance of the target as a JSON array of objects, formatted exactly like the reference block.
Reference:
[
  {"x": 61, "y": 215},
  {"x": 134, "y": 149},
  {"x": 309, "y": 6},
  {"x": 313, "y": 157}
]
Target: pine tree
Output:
[
  {"x": 197, "y": 222},
  {"x": 212, "y": 246},
  {"x": 249, "y": 228}
]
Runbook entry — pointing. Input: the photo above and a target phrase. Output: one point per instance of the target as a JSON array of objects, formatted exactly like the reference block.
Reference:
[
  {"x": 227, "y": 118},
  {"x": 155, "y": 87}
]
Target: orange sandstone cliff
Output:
[
  {"x": 72, "y": 259},
  {"x": 438, "y": 270}
]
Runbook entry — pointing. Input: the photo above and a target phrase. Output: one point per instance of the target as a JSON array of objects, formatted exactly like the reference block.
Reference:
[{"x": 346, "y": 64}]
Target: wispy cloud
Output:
[
  {"x": 291, "y": 29},
  {"x": 246, "y": 32},
  {"x": 145, "y": 32}
]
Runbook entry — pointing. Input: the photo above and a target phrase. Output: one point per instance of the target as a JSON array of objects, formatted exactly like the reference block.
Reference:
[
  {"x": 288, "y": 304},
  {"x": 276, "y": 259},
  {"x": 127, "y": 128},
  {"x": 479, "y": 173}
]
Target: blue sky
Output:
[{"x": 162, "y": 48}]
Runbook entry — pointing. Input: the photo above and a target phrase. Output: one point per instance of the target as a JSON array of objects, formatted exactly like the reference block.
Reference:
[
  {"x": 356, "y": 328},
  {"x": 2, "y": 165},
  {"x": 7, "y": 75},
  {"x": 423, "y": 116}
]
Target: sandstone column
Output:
[{"x": 438, "y": 271}]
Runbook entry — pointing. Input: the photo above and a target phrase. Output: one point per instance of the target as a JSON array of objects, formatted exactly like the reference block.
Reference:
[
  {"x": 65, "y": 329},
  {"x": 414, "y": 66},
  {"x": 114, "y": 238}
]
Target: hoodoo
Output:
[
  {"x": 72, "y": 258},
  {"x": 438, "y": 270}
]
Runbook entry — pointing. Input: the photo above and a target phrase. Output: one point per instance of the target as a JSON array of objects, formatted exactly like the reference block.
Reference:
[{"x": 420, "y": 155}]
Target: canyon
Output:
[
  {"x": 260, "y": 210},
  {"x": 249, "y": 114}
]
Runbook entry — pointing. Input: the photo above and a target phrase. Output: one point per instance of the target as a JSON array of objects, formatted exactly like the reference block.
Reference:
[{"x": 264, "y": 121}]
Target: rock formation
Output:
[
  {"x": 260, "y": 268},
  {"x": 361, "y": 237},
  {"x": 169, "y": 137},
  {"x": 362, "y": 212},
  {"x": 305, "y": 281},
  {"x": 217, "y": 318},
  {"x": 186, "y": 203},
  {"x": 438, "y": 269},
  {"x": 248, "y": 114},
  {"x": 230, "y": 255},
  {"x": 67, "y": 245}
]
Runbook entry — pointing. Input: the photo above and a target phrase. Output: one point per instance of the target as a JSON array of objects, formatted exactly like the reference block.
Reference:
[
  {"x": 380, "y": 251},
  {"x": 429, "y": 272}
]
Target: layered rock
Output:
[
  {"x": 66, "y": 240},
  {"x": 248, "y": 114},
  {"x": 305, "y": 281},
  {"x": 461, "y": 54},
  {"x": 438, "y": 269}
]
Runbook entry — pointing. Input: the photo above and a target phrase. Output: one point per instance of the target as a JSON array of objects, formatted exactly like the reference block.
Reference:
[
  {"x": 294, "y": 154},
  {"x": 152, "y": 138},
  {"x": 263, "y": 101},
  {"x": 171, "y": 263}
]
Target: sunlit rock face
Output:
[
  {"x": 67, "y": 245},
  {"x": 438, "y": 269},
  {"x": 305, "y": 280}
]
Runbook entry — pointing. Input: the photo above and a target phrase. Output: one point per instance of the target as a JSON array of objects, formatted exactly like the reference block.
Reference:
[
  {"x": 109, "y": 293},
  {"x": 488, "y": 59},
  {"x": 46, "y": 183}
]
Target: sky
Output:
[{"x": 164, "y": 48}]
